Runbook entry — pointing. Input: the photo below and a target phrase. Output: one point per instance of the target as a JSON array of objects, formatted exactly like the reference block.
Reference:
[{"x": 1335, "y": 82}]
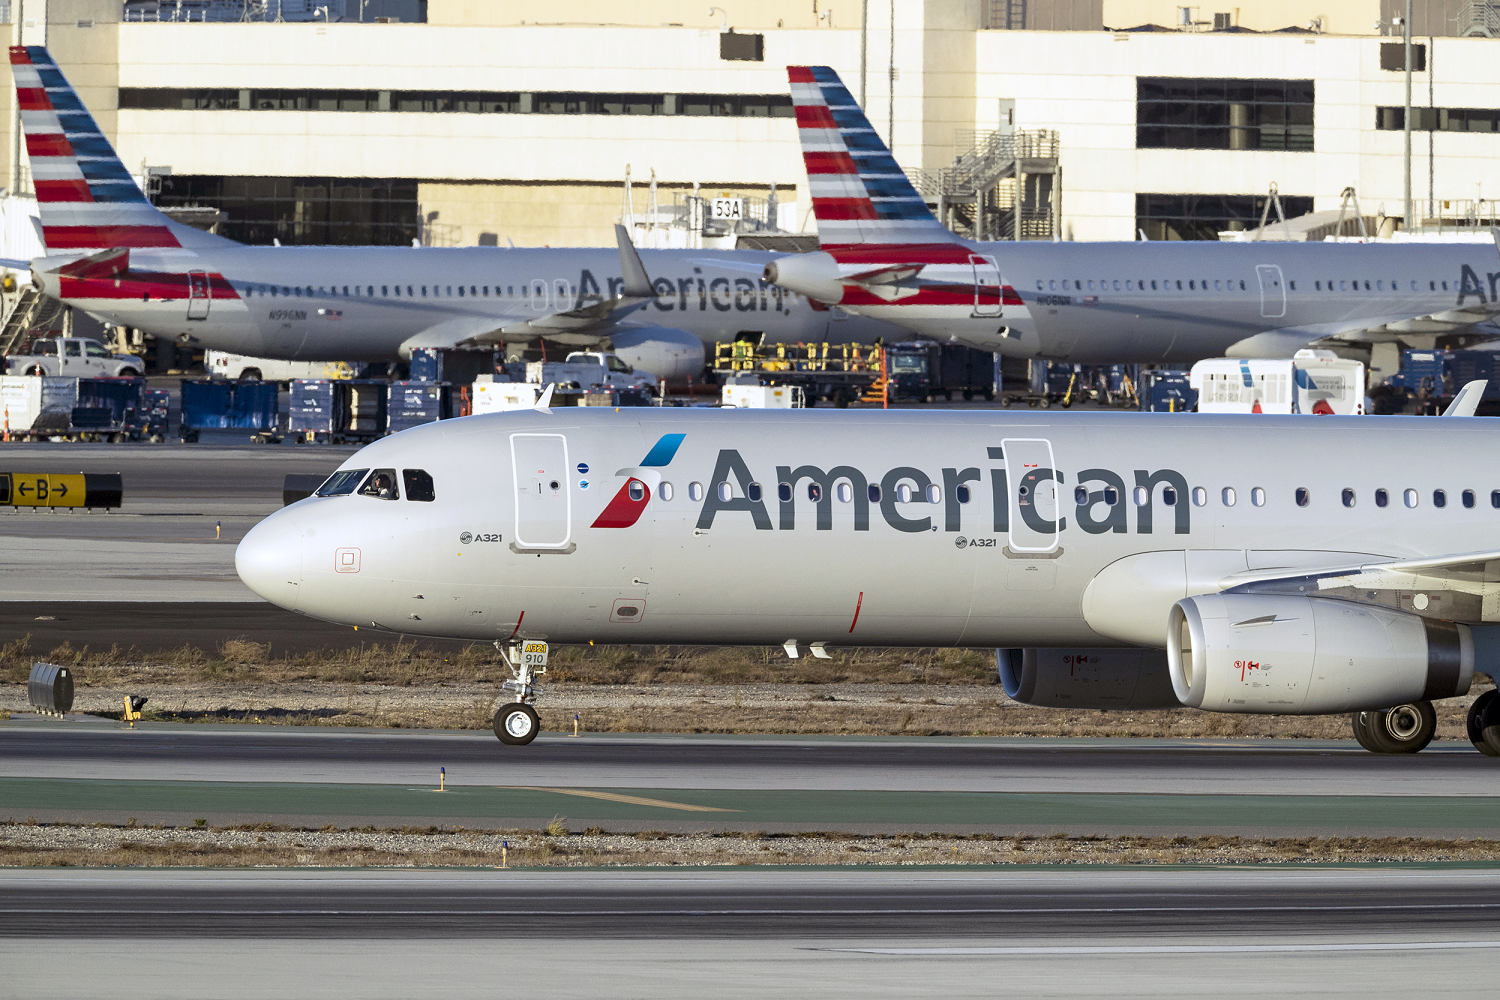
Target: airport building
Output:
[{"x": 465, "y": 122}]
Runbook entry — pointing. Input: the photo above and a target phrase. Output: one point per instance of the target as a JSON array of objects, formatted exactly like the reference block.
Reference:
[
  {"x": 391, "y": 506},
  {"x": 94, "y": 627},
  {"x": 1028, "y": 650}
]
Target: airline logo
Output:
[
  {"x": 87, "y": 198},
  {"x": 626, "y": 506}
]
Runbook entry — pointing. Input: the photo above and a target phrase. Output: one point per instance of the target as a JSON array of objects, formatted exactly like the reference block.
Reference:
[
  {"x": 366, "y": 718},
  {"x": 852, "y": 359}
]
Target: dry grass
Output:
[{"x": 33, "y": 845}]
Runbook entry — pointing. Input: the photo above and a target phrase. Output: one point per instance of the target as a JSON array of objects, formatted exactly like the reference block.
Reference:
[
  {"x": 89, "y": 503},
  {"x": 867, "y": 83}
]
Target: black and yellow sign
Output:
[{"x": 45, "y": 489}]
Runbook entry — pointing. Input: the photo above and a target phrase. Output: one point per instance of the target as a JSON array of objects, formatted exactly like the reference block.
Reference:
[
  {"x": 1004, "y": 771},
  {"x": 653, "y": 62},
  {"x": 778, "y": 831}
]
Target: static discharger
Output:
[{"x": 44, "y": 489}]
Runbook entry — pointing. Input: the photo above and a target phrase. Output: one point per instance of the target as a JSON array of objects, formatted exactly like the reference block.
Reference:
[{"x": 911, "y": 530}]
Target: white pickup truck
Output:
[
  {"x": 588, "y": 370},
  {"x": 73, "y": 356}
]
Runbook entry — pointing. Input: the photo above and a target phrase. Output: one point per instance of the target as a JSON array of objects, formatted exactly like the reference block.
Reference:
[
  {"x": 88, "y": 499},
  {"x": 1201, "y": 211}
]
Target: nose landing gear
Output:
[{"x": 516, "y": 723}]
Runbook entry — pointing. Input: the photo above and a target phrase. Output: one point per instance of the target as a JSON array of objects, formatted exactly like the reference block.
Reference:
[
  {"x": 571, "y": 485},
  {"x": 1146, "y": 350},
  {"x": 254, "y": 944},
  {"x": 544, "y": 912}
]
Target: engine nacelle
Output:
[
  {"x": 815, "y": 275},
  {"x": 664, "y": 351},
  {"x": 1310, "y": 656},
  {"x": 1087, "y": 678}
]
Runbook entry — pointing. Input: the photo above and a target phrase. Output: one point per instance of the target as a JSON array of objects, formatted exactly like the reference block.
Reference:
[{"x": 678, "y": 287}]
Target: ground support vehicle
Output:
[
  {"x": 831, "y": 373},
  {"x": 74, "y": 356},
  {"x": 1311, "y": 381},
  {"x": 245, "y": 368},
  {"x": 215, "y": 404},
  {"x": 926, "y": 369}
]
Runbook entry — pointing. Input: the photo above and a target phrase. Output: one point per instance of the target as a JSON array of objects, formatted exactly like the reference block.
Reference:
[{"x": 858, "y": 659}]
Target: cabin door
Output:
[
  {"x": 1035, "y": 494},
  {"x": 1272, "y": 291},
  {"x": 544, "y": 504},
  {"x": 199, "y": 295},
  {"x": 987, "y": 291}
]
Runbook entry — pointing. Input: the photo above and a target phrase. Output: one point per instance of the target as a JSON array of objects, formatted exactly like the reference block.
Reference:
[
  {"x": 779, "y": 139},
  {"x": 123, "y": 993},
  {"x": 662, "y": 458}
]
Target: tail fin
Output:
[
  {"x": 859, "y": 193},
  {"x": 87, "y": 199}
]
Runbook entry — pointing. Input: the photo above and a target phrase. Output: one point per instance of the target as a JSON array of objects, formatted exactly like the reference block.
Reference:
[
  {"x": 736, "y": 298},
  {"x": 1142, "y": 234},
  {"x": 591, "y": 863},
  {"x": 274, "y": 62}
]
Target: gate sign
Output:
[
  {"x": 42, "y": 489},
  {"x": 534, "y": 654},
  {"x": 728, "y": 209}
]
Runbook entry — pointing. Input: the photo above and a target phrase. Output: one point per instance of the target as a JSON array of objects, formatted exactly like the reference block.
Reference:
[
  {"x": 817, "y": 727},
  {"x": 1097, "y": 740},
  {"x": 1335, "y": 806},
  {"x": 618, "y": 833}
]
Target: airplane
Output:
[
  {"x": 1112, "y": 560},
  {"x": 885, "y": 255},
  {"x": 111, "y": 253}
]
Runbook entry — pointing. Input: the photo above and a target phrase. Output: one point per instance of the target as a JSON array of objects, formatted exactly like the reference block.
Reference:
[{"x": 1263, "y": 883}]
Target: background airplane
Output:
[
  {"x": 1115, "y": 560},
  {"x": 885, "y": 255},
  {"x": 112, "y": 254}
]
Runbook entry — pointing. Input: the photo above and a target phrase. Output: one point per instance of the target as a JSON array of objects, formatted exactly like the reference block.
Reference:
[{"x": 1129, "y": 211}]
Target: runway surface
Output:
[
  {"x": 1095, "y": 932},
  {"x": 94, "y": 770}
]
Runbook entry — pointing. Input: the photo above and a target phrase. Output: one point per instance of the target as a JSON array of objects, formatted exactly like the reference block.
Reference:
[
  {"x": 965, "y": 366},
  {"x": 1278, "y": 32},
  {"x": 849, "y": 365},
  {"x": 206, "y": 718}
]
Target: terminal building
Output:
[{"x": 543, "y": 122}]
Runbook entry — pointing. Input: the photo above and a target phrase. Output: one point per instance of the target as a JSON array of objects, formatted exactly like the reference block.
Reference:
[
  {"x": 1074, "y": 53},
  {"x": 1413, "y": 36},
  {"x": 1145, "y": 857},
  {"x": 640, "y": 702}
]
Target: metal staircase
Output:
[
  {"x": 1004, "y": 185},
  {"x": 30, "y": 311}
]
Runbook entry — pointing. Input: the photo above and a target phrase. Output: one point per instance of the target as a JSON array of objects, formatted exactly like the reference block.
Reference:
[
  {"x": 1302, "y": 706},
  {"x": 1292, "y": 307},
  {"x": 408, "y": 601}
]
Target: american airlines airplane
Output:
[
  {"x": 111, "y": 253},
  {"x": 885, "y": 255},
  {"x": 1113, "y": 560}
]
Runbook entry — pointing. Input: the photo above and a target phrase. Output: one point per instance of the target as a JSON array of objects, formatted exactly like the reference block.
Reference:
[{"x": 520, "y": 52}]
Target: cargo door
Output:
[
  {"x": 199, "y": 295},
  {"x": 987, "y": 290},
  {"x": 1035, "y": 494},
  {"x": 1272, "y": 291},
  {"x": 544, "y": 505}
]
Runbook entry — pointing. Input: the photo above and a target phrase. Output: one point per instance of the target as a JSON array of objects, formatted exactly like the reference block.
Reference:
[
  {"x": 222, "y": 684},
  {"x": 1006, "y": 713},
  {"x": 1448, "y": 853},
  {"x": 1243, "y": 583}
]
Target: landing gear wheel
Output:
[
  {"x": 1403, "y": 729},
  {"x": 516, "y": 724},
  {"x": 1484, "y": 723}
]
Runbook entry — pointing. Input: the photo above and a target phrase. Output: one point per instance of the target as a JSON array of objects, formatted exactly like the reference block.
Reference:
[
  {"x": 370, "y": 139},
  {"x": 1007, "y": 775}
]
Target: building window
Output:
[
  {"x": 1393, "y": 119},
  {"x": 1209, "y": 113},
  {"x": 1204, "y": 216}
]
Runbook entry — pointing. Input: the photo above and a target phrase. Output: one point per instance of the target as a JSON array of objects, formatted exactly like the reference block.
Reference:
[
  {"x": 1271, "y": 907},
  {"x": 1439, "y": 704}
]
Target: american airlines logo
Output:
[{"x": 626, "y": 506}]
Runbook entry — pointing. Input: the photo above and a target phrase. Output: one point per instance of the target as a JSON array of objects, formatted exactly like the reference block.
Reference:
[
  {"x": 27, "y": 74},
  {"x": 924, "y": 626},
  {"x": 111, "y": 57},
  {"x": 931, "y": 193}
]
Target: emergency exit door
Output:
[{"x": 544, "y": 505}]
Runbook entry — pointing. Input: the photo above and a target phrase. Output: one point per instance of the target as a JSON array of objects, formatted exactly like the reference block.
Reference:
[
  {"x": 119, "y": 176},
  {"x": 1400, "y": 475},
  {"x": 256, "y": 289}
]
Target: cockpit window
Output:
[
  {"x": 418, "y": 485},
  {"x": 341, "y": 483},
  {"x": 381, "y": 484}
]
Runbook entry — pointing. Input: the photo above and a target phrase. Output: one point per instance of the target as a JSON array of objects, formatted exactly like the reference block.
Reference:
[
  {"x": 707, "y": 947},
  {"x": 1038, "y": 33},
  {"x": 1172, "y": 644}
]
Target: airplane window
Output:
[
  {"x": 1348, "y": 497},
  {"x": 1382, "y": 498},
  {"x": 485, "y": 289},
  {"x": 874, "y": 493},
  {"x": 1218, "y": 285},
  {"x": 1179, "y": 284},
  {"x": 1169, "y": 496},
  {"x": 1445, "y": 286},
  {"x": 1200, "y": 496},
  {"x": 1142, "y": 496},
  {"x": 664, "y": 490},
  {"x": 1440, "y": 498},
  {"x": 1080, "y": 495},
  {"x": 784, "y": 492},
  {"x": 1495, "y": 498},
  {"x": 904, "y": 493},
  {"x": 408, "y": 291},
  {"x": 636, "y": 490},
  {"x": 1052, "y": 285},
  {"x": 1040, "y": 285},
  {"x": 814, "y": 492},
  {"x": 1343, "y": 286},
  {"x": 1116, "y": 284},
  {"x": 418, "y": 485},
  {"x": 961, "y": 494},
  {"x": 398, "y": 290},
  {"x": 1380, "y": 286},
  {"x": 1318, "y": 286},
  {"x": 381, "y": 484},
  {"x": 1192, "y": 285},
  {"x": 695, "y": 491},
  {"x": 1410, "y": 497},
  {"x": 753, "y": 492},
  {"x": 297, "y": 292},
  {"x": 1258, "y": 496},
  {"x": 424, "y": 291},
  {"x": 934, "y": 494},
  {"x": 1111, "y": 495},
  {"x": 385, "y": 290},
  {"x": 1091, "y": 284},
  {"x": 725, "y": 493},
  {"x": 845, "y": 492},
  {"x": 1302, "y": 496},
  {"x": 346, "y": 291},
  {"x": 1367, "y": 286},
  {"x": 1242, "y": 285},
  {"x": 460, "y": 291},
  {"x": 1153, "y": 285},
  {"x": 1227, "y": 497},
  {"x": 1432, "y": 286},
  {"x": 342, "y": 483},
  {"x": 370, "y": 291},
  {"x": 1468, "y": 496}
]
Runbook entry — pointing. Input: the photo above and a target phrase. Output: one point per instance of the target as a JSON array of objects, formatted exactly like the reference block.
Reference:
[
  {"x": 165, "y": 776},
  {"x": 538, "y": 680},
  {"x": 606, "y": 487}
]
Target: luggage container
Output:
[
  {"x": 212, "y": 404},
  {"x": 327, "y": 411},
  {"x": 49, "y": 689},
  {"x": 456, "y": 366},
  {"x": 1168, "y": 392},
  {"x": 33, "y": 406},
  {"x": 107, "y": 408},
  {"x": 494, "y": 397},
  {"x": 310, "y": 410},
  {"x": 156, "y": 410},
  {"x": 409, "y": 404}
]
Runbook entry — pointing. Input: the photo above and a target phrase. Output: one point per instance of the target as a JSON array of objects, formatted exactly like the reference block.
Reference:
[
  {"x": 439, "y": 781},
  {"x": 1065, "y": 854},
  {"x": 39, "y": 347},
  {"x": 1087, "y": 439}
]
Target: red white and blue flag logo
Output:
[{"x": 626, "y": 506}]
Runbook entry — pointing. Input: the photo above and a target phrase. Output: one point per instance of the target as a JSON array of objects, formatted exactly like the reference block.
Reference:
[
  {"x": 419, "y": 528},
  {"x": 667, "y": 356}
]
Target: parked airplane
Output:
[
  {"x": 885, "y": 255},
  {"x": 1114, "y": 560},
  {"x": 112, "y": 254}
]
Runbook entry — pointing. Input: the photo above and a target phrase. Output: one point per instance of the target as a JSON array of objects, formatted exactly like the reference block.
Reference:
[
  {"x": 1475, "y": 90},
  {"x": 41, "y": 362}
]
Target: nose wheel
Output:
[{"x": 516, "y": 723}]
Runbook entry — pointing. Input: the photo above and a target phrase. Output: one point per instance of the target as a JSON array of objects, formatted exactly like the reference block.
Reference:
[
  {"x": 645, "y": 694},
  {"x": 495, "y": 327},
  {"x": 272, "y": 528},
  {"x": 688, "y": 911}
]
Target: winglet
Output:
[
  {"x": 1467, "y": 401},
  {"x": 545, "y": 399},
  {"x": 637, "y": 283}
]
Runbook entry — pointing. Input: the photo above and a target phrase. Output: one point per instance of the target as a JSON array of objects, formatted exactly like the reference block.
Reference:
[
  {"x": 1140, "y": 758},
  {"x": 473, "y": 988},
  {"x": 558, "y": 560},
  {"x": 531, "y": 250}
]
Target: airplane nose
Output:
[{"x": 269, "y": 561}]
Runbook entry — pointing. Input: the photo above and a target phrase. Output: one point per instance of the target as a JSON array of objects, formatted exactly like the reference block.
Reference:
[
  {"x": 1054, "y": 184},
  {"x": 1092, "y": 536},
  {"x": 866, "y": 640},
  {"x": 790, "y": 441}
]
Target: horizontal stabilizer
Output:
[{"x": 104, "y": 264}]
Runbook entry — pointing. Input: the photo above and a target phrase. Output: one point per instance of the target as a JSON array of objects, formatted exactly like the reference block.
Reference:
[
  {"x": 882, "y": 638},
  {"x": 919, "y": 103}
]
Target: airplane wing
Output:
[{"x": 1460, "y": 588}]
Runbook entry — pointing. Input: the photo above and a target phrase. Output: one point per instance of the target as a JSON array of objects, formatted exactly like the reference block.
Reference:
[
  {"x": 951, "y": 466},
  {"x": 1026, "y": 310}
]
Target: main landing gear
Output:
[
  {"x": 516, "y": 723},
  {"x": 1408, "y": 728}
]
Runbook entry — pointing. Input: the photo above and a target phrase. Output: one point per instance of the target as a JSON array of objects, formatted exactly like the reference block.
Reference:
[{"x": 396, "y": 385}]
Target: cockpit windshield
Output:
[
  {"x": 341, "y": 483},
  {"x": 381, "y": 485}
]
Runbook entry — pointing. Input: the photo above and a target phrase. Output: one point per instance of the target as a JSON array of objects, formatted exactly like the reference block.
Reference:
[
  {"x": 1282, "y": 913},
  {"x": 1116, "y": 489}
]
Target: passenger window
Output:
[
  {"x": 664, "y": 490},
  {"x": 845, "y": 492},
  {"x": 1169, "y": 496},
  {"x": 784, "y": 492},
  {"x": 904, "y": 493},
  {"x": 1440, "y": 498},
  {"x": 1468, "y": 496},
  {"x": 695, "y": 491},
  {"x": 753, "y": 492},
  {"x": 1258, "y": 496},
  {"x": 875, "y": 494},
  {"x": 961, "y": 494},
  {"x": 1382, "y": 498},
  {"x": 381, "y": 484},
  {"x": 1080, "y": 495},
  {"x": 418, "y": 485},
  {"x": 1228, "y": 496},
  {"x": 1410, "y": 496},
  {"x": 342, "y": 483},
  {"x": 1348, "y": 497},
  {"x": 725, "y": 493},
  {"x": 1111, "y": 495},
  {"x": 1302, "y": 496},
  {"x": 636, "y": 490},
  {"x": 1200, "y": 496},
  {"x": 934, "y": 494},
  {"x": 814, "y": 492},
  {"x": 1142, "y": 496}
]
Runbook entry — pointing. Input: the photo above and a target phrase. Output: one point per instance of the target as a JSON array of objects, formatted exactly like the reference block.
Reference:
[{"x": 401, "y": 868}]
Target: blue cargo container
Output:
[
  {"x": 411, "y": 403},
  {"x": 310, "y": 411},
  {"x": 217, "y": 405},
  {"x": 454, "y": 365},
  {"x": 337, "y": 411},
  {"x": 1169, "y": 392}
]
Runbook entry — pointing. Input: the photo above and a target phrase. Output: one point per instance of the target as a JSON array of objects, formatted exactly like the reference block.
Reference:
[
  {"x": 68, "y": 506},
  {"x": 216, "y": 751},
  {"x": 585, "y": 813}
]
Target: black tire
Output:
[
  {"x": 1044, "y": 402},
  {"x": 989, "y": 395},
  {"x": 1402, "y": 729},
  {"x": 1483, "y": 724},
  {"x": 129, "y": 373},
  {"x": 1360, "y": 723},
  {"x": 35, "y": 370},
  {"x": 516, "y": 724},
  {"x": 250, "y": 375},
  {"x": 968, "y": 395}
]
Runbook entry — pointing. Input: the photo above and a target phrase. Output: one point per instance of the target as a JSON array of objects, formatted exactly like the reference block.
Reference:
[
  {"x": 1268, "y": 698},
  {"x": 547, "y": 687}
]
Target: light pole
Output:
[{"x": 1406, "y": 119}]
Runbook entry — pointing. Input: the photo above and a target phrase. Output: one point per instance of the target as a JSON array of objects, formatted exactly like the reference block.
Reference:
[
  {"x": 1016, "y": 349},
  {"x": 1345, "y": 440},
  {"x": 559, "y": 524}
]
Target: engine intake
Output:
[
  {"x": 1086, "y": 678},
  {"x": 1310, "y": 656}
]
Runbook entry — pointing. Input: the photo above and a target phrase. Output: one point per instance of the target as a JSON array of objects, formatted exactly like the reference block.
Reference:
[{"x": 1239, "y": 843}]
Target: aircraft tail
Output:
[
  {"x": 87, "y": 199},
  {"x": 859, "y": 193}
]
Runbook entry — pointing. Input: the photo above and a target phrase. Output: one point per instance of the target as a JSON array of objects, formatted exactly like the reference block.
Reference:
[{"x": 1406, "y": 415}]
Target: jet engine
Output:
[
  {"x": 815, "y": 275},
  {"x": 1310, "y": 656},
  {"x": 664, "y": 351},
  {"x": 1087, "y": 678}
]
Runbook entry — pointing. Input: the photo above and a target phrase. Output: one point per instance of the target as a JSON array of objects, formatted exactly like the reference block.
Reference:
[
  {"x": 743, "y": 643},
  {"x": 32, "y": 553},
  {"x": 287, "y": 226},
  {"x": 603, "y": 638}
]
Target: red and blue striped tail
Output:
[
  {"x": 87, "y": 199},
  {"x": 859, "y": 193}
]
